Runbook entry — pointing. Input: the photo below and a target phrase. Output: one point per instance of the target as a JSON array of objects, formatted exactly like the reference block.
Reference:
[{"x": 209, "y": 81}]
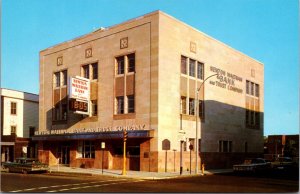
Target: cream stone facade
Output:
[
  {"x": 19, "y": 120},
  {"x": 144, "y": 75}
]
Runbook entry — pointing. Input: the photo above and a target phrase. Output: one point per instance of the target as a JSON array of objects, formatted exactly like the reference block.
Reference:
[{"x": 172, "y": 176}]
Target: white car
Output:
[{"x": 252, "y": 165}]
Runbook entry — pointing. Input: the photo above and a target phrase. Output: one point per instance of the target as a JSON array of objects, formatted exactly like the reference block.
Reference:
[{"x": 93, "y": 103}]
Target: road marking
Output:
[
  {"x": 66, "y": 185},
  {"x": 89, "y": 186}
]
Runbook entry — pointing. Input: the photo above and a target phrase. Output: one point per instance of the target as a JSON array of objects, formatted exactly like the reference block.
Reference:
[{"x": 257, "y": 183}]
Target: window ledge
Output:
[{"x": 124, "y": 116}]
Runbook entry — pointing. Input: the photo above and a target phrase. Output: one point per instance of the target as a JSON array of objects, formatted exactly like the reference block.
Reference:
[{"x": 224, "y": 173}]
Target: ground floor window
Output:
[
  {"x": 86, "y": 149},
  {"x": 225, "y": 146}
]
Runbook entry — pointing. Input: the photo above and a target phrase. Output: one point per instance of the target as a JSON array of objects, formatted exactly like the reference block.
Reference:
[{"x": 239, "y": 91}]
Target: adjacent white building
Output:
[{"x": 19, "y": 120}]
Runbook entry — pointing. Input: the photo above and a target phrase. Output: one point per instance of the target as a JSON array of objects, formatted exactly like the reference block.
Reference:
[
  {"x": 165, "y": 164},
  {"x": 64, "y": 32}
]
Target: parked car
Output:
[
  {"x": 252, "y": 165},
  {"x": 25, "y": 165},
  {"x": 283, "y": 163}
]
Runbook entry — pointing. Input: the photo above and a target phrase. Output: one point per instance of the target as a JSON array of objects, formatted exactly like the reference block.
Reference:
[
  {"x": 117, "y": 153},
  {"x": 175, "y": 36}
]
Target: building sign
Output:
[
  {"x": 79, "y": 88},
  {"x": 79, "y": 95},
  {"x": 91, "y": 130},
  {"x": 76, "y": 105},
  {"x": 226, "y": 80}
]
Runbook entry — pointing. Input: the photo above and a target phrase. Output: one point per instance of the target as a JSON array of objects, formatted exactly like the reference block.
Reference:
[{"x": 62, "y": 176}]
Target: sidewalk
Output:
[{"x": 63, "y": 170}]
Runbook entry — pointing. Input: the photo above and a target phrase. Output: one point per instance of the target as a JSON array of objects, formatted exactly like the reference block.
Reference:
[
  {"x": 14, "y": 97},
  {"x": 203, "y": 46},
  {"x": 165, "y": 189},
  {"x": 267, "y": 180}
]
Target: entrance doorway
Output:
[{"x": 64, "y": 154}]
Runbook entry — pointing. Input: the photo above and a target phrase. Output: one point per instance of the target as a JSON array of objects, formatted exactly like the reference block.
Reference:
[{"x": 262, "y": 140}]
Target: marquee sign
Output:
[
  {"x": 79, "y": 94},
  {"x": 79, "y": 88}
]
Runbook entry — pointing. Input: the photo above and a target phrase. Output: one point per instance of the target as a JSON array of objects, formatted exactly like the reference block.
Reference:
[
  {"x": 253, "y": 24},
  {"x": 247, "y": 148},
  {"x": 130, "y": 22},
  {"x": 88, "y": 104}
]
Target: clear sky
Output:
[{"x": 266, "y": 30}]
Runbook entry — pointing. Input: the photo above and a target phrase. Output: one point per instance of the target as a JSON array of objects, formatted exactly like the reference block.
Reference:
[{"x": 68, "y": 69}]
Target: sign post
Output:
[
  {"x": 166, "y": 146},
  {"x": 181, "y": 137},
  {"x": 102, "y": 147}
]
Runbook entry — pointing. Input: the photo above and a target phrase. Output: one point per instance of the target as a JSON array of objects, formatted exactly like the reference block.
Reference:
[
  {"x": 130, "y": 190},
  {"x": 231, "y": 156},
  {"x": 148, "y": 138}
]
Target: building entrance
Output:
[{"x": 64, "y": 154}]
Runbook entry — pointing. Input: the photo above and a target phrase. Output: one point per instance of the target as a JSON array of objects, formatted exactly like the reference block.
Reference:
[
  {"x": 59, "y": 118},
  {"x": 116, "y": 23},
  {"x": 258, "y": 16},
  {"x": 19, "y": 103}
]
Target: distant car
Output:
[
  {"x": 252, "y": 165},
  {"x": 25, "y": 165},
  {"x": 283, "y": 163}
]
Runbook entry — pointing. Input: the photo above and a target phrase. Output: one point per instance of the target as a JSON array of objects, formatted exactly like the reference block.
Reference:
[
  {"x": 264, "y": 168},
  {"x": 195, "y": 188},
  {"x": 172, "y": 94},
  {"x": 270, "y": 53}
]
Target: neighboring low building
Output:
[
  {"x": 142, "y": 76},
  {"x": 282, "y": 145},
  {"x": 19, "y": 120}
]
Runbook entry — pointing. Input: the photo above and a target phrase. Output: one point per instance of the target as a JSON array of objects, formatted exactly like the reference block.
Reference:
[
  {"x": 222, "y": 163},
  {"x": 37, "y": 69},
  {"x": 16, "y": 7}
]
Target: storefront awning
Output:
[{"x": 101, "y": 135}]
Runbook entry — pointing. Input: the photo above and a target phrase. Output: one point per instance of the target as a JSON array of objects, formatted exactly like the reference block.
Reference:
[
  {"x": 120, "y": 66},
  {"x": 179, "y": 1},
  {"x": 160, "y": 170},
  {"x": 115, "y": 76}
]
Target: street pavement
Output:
[
  {"x": 64, "y": 170},
  {"x": 88, "y": 183}
]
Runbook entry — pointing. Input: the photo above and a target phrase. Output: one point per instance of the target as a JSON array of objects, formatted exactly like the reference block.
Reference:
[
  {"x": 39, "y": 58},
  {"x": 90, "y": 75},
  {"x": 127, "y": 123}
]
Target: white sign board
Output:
[{"x": 79, "y": 88}]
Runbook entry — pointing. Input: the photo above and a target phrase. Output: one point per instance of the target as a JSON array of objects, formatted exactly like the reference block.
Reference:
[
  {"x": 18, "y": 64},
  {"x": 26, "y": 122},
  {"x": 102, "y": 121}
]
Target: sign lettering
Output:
[
  {"x": 91, "y": 130},
  {"x": 226, "y": 80}
]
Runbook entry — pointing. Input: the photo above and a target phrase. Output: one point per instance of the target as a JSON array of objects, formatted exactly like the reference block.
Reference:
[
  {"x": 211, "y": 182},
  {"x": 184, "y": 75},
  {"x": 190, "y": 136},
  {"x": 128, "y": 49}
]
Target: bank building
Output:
[{"x": 178, "y": 97}]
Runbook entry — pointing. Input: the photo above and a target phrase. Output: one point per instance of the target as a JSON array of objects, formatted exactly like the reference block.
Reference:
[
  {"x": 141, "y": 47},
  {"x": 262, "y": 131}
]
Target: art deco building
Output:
[{"x": 144, "y": 76}]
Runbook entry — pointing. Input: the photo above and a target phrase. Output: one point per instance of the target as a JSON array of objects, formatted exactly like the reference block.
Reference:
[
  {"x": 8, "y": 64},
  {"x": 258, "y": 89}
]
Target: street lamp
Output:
[{"x": 197, "y": 115}]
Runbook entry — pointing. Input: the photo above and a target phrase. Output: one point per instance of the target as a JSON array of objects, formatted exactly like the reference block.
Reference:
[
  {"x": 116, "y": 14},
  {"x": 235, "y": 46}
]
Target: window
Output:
[
  {"x": 86, "y": 71},
  {"x": 56, "y": 115},
  {"x": 64, "y": 111},
  {"x": 13, "y": 108},
  {"x": 183, "y": 105},
  {"x": 31, "y": 131},
  {"x": 130, "y": 103},
  {"x": 65, "y": 77},
  {"x": 131, "y": 63},
  {"x": 183, "y": 64},
  {"x": 192, "y": 67},
  {"x": 13, "y": 129},
  {"x": 120, "y": 65},
  {"x": 120, "y": 105},
  {"x": 257, "y": 120},
  {"x": 191, "y": 106},
  {"x": 95, "y": 70},
  {"x": 252, "y": 89},
  {"x": 94, "y": 107},
  {"x": 225, "y": 146},
  {"x": 246, "y": 147},
  {"x": 256, "y": 90},
  {"x": 57, "y": 79},
  {"x": 88, "y": 149},
  {"x": 201, "y": 109},
  {"x": 200, "y": 70},
  {"x": 247, "y": 117},
  {"x": 247, "y": 87}
]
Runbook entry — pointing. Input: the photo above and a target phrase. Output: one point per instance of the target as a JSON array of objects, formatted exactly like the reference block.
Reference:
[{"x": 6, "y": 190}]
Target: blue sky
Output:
[{"x": 266, "y": 30}]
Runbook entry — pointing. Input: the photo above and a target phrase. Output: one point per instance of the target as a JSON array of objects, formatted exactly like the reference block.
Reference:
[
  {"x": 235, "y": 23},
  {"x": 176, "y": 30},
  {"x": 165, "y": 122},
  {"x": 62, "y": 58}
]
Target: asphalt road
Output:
[{"x": 12, "y": 182}]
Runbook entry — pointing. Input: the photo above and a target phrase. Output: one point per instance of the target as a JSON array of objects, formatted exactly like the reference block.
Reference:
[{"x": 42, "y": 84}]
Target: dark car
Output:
[
  {"x": 252, "y": 165},
  {"x": 283, "y": 163},
  {"x": 25, "y": 165}
]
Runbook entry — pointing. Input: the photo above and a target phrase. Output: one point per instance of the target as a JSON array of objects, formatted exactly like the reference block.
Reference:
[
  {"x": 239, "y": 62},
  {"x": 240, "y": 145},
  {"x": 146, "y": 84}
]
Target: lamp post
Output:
[{"x": 197, "y": 115}]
